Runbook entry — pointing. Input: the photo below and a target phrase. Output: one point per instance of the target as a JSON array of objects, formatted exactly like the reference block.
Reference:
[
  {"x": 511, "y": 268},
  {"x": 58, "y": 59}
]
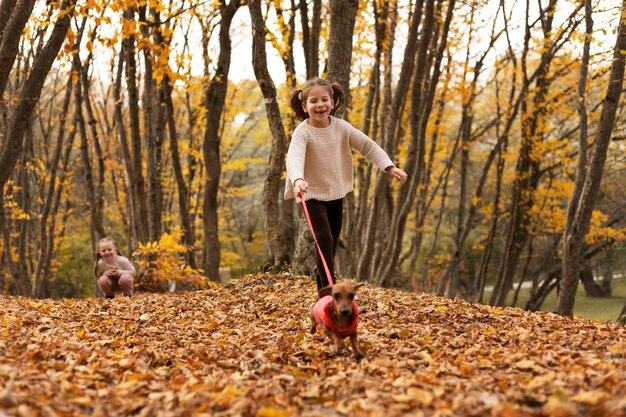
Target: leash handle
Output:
[{"x": 308, "y": 219}]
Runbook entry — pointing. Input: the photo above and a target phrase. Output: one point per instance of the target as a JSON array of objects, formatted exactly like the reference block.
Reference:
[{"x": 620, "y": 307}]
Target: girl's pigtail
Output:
[
  {"x": 338, "y": 97},
  {"x": 296, "y": 104}
]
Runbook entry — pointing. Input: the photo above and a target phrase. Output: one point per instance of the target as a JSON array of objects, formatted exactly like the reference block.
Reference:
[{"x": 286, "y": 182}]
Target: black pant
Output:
[{"x": 326, "y": 217}]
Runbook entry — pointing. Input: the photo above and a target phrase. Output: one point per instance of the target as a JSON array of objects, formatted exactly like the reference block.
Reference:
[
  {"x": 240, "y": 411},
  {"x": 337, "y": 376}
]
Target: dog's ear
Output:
[
  {"x": 328, "y": 290},
  {"x": 359, "y": 285}
]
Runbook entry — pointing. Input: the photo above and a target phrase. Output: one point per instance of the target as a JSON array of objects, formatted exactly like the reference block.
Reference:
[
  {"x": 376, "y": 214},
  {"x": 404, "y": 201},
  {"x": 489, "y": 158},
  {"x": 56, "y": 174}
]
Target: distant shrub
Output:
[{"x": 161, "y": 264}]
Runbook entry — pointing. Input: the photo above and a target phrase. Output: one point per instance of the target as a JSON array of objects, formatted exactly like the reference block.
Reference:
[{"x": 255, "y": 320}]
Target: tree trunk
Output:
[
  {"x": 465, "y": 130},
  {"x": 286, "y": 221},
  {"x": 183, "y": 189},
  {"x": 429, "y": 58},
  {"x": 342, "y": 20},
  {"x": 47, "y": 213},
  {"x": 591, "y": 288},
  {"x": 129, "y": 168},
  {"x": 94, "y": 210},
  {"x": 215, "y": 97},
  {"x": 527, "y": 173},
  {"x": 154, "y": 119},
  {"x": 575, "y": 241},
  {"x": 391, "y": 120},
  {"x": 140, "y": 197},
  {"x": 11, "y": 31},
  {"x": 622, "y": 316},
  {"x": 311, "y": 36},
  {"x": 13, "y": 138},
  {"x": 355, "y": 207},
  {"x": 13, "y": 141},
  {"x": 274, "y": 170}
]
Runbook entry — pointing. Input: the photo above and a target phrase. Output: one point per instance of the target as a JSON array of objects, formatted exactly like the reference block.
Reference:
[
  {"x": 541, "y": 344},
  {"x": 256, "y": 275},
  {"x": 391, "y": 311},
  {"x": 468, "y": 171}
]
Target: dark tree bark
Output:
[
  {"x": 311, "y": 36},
  {"x": 48, "y": 212},
  {"x": 215, "y": 97},
  {"x": 11, "y": 30},
  {"x": 342, "y": 20},
  {"x": 140, "y": 198},
  {"x": 154, "y": 120},
  {"x": 429, "y": 58},
  {"x": 591, "y": 288},
  {"x": 287, "y": 221},
  {"x": 129, "y": 167},
  {"x": 6, "y": 8},
  {"x": 391, "y": 120},
  {"x": 94, "y": 210},
  {"x": 575, "y": 240},
  {"x": 527, "y": 170},
  {"x": 183, "y": 189},
  {"x": 354, "y": 208},
  {"x": 622, "y": 316},
  {"x": 12, "y": 143},
  {"x": 452, "y": 272},
  {"x": 274, "y": 170},
  {"x": 13, "y": 140}
]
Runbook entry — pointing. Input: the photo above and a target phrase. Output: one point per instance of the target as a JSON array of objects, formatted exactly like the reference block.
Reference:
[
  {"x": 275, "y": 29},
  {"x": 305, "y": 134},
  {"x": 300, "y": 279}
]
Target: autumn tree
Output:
[
  {"x": 17, "y": 120},
  {"x": 588, "y": 178},
  {"x": 527, "y": 171},
  {"x": 273, "y": 175},
  {"x": 215, "y": 95}
]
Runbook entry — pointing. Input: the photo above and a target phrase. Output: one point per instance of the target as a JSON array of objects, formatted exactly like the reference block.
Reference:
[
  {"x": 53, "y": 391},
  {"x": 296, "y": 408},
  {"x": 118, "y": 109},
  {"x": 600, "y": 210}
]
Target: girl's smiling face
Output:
[
  {"x": 107, "y": 251},
  {"x": 318, "y": 105}
]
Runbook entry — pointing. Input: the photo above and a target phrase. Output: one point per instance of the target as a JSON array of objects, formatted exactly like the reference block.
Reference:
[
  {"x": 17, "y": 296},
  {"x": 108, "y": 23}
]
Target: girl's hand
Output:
[
  {"x": 112, "y": 272},
  {"x": 300, "y": 186},
  {"x": 398, "y": 173}
]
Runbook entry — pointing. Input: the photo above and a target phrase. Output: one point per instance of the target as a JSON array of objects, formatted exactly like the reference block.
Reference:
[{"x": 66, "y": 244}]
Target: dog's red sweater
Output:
[{"x": 321, "y": 312}]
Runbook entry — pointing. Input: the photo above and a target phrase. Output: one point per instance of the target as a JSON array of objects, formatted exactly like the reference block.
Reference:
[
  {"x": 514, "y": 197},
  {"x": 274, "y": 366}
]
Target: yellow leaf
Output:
[
  {"x": 590, "y": 397},
  {"x": 556, "y": 407},
  {"x": 618, "y": 348},
  {"x": 489, "y": 330},
  {"x": 272, "y": 412},
  {"x": 82, "y": 401},
  {"x": 421, "y": 396}
]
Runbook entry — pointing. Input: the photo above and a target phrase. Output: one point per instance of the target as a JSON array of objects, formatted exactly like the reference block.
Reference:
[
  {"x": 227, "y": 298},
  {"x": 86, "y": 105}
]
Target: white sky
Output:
[{"x": 241, "y": 65}]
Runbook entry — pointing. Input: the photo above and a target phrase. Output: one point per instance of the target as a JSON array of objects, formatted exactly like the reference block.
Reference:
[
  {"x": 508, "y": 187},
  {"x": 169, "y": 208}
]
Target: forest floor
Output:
[{"x": 243, "y": 350}]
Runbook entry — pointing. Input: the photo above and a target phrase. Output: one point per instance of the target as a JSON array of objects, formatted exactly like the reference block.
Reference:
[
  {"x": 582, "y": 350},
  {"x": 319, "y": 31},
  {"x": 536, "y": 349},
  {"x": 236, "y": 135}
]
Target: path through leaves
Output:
[{"x": 243, "y": 350}]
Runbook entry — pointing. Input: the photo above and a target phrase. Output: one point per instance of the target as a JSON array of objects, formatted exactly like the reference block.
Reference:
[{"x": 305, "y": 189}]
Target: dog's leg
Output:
[
  {"x": 358, "y": 354},
  {"x": 341, "y": 347},
  {"x": 313, "y": 322}
]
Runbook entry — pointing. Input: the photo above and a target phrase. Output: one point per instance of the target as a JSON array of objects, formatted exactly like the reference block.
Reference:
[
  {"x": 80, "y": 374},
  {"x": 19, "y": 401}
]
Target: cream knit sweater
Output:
[
  {"x": 121, "y": 263},
  {"x": 323, "y": 158}
]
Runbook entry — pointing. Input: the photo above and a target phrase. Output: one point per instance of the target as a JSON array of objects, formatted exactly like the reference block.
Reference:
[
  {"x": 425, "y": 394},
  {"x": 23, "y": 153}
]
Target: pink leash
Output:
[{"x": 308, "y": 219}]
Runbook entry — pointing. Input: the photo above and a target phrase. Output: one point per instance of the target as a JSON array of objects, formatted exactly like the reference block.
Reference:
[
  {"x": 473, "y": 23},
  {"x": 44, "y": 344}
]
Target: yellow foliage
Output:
[
  {"x": 598, "y": 233},
  {"x": 241, "y": 164},
  {"x": 601, "y": 234},
  {"x": 12, "y": 209},
  {"x": 161, "y": 263}
]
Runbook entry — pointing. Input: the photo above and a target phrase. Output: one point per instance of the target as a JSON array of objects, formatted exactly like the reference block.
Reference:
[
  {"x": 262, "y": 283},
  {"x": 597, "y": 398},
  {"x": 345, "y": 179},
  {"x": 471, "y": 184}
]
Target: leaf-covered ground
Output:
[{"x": 244, "y": 350}]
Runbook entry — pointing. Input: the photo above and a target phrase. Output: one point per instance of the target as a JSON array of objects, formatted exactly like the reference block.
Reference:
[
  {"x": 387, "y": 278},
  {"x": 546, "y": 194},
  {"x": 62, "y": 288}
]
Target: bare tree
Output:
[
  {"x": 579, "y": 216},
  {"x": 527, "y": 170}
]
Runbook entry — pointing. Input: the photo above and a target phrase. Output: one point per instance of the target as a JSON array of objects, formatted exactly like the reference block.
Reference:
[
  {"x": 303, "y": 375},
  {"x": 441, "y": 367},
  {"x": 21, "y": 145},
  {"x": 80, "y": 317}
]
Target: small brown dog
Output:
[{"x": 338, "y": 315}]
